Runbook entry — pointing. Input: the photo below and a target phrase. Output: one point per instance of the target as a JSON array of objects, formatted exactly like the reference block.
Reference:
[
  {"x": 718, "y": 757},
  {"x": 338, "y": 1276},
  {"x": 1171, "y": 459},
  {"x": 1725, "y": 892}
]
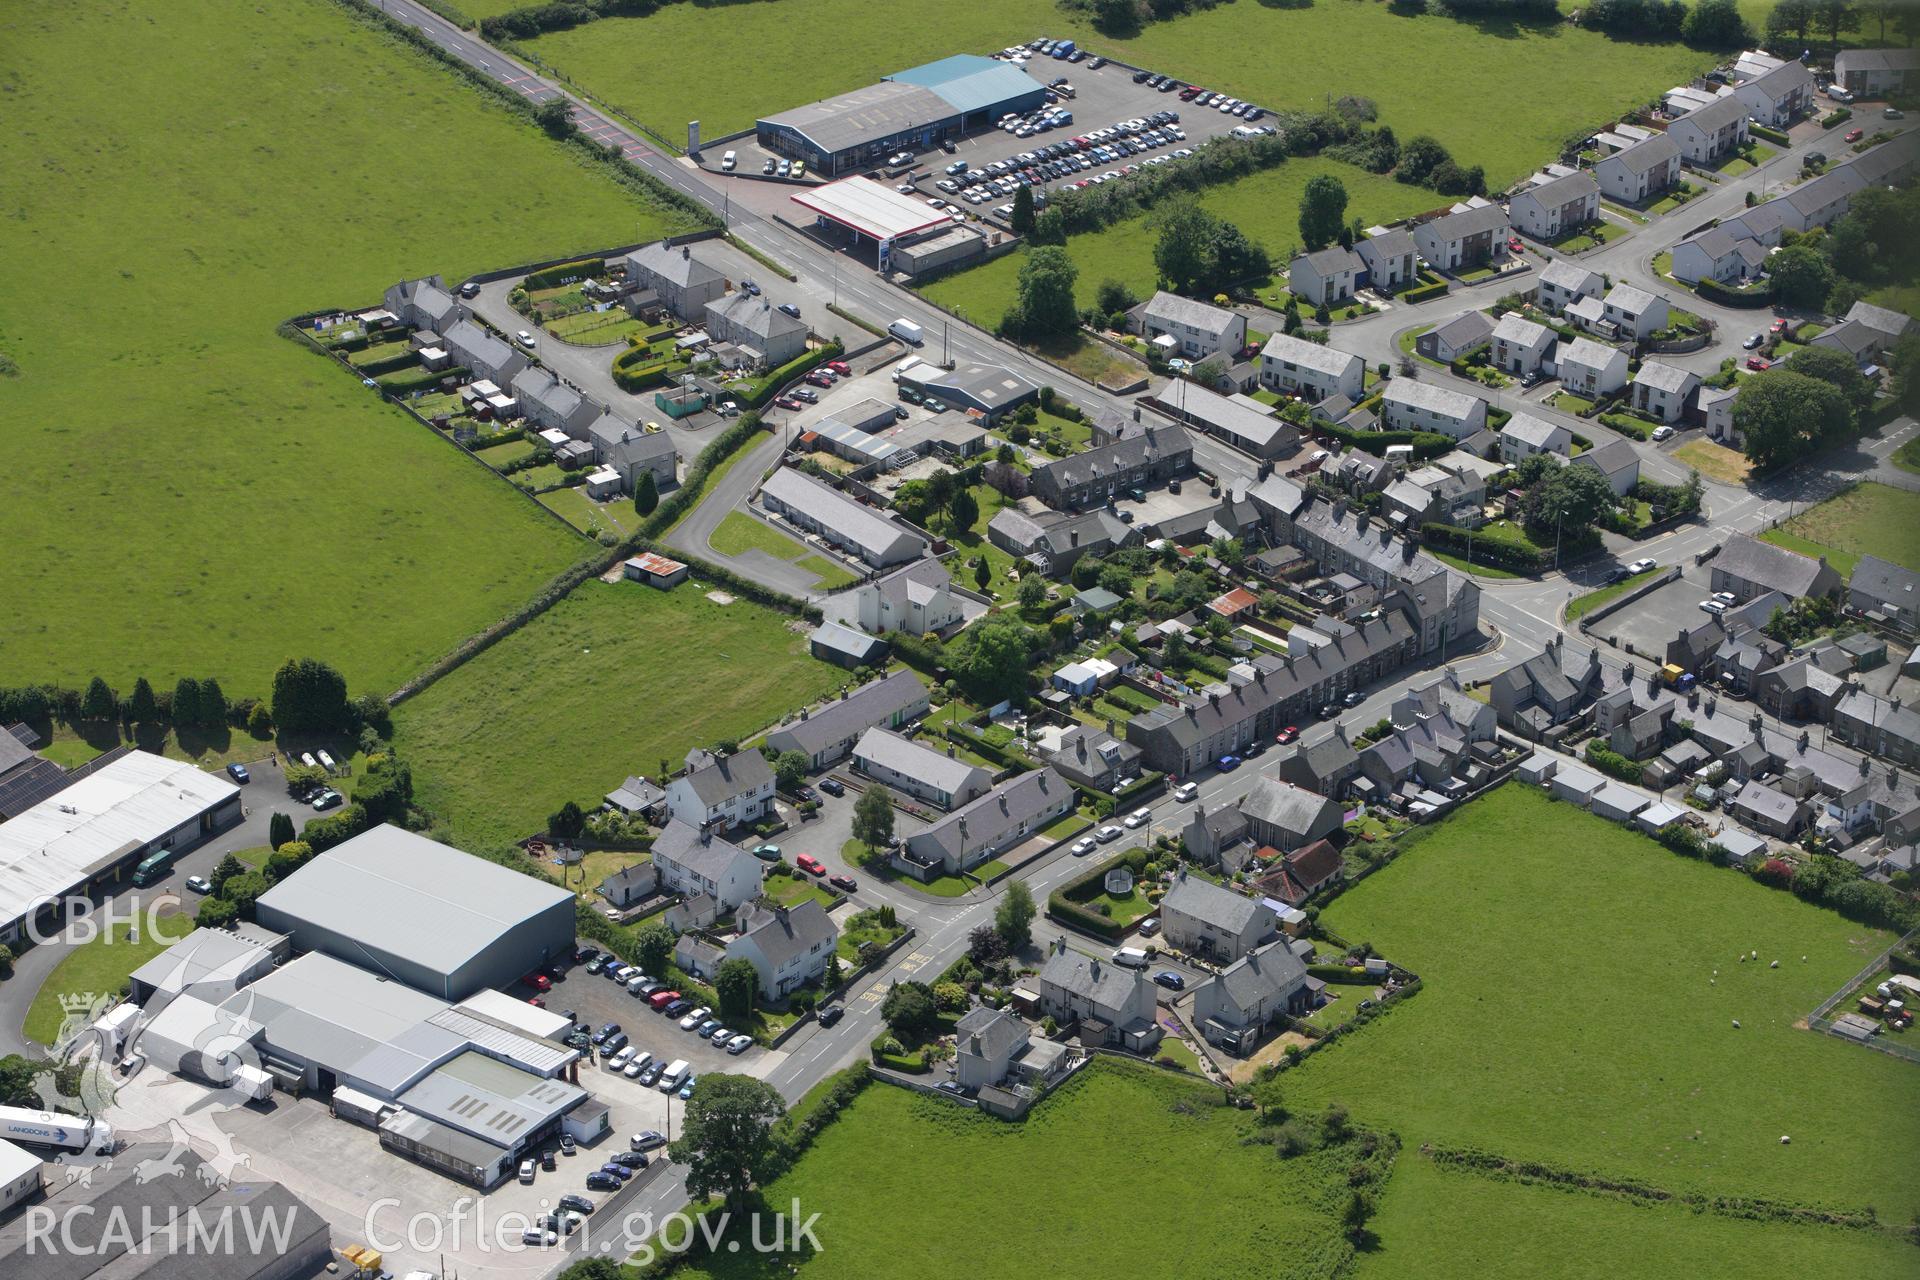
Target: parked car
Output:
[
  {"x": 1289, "y": 734},
  {"x": 830, "y": 1014},
  {"x": 1854, "y": 135},
  {"x": 1107, "y": 834},
  {"x": 327, "y": 799},
  {"x": 538, "y": 981},
  {"x": 238, "y": 772},
  {"x": 685, "y": 1090},
  {"x": 577, "y": 1204},
  {"x": 661, "y": 999},
  {"x": 695, "y": 1018},
  {"x": 1753, "y": 340},
  {"x": 1353, "y": 699},
  {"x": 524, "y": 338},
  {"x": 1082, "y": 847},
  {"x": 1714, "y": 607},
  {"x": 651, "y": 1076},
  {"x": 1139, "y": 818},
  {"x": 1662, "y": 432},
  {"x": 1149, "y": 926},
  {"x": 675, "y": 1008},
  {"x": 721, "y": 1035},
  {"x": 1758, "y": 363},
  {"x": 1894, "y": 113},
  {"x": 602, "y": 1181},
  {"x": 470, "y": 290},
  {"x": 618, "y": 1172},
  {"x": 199, "y": 884},
  {"x": 1170, "y": 980},
  {"x": 820, "y": 379},
  {"x": 767, "y": 852},
  {"x": 606, "y": 1033},
  {"x": 646, "y": 1140},
  {"x": 840, "y": 367},
  {"x": 1641, "y": 565},
  {"x": 736, "y": 1046},
  {"x": 810, "y": 864},
  {"x": 1186, "y": 791},
  {"x": 1227, "y": 763},
  {"x": 845, "y": 884},
  {"x": 790, "y": 309},
  {"x": 628, "y": 1159},
  {"x": 832, "y": 787}
]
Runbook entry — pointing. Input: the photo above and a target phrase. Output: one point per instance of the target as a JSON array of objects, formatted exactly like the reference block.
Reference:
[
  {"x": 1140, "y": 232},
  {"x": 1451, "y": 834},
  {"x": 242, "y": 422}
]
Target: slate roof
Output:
[
  {"x": 1715, "y": 116},
  {"x": 1648, "y": 154},
  {"x": 1761, "y": 799},
  {"x": 680, "y": 842},
  {"x": 1514, "y": 327},
  {"x": 870, "y": 704},
  {"x": 1587, "y": 353},
  {"x": 1537, "y": 432},
  {"x": 1316, "y": 356},
  {"x": 674, "y": 264},
  {"x": 1568, "y": 275},
  {"x": 1467, "y": 329},
  {"x": 1263, "y": 977},
  {"x": 1880, "y": 319},
  {"x": 1333, "y": 260},
  {"x": 1563, "y": 190},
  {"x": 1662, "y": 376},
  {"x": 722, "y": 779},
  {"x": 1100, "y": 983},
  {"x": 989, "y": 1033},
  {"x": 846, "y": 520},
  {"x": 1468, "y": 222},
  {"x": 1173, "y": 308},
  {"x": 784, "y": 935},
  {"x": 1883, "y": 580},
  {"x": 1751, "y": 560},
  {"x": 1783, "y": 80},
  {"x": 936, "y": 769},
  {"x": 1281, "y": 804},
  {"x": 994, "y": 814},
  {"x": 1123, "y": 454},
  {"x": 1205, "y": 901},
  {"x": 1391, "y": 244},
  {"x": 1611, "y": 458},
  {"x": 1442, "y": 401}
]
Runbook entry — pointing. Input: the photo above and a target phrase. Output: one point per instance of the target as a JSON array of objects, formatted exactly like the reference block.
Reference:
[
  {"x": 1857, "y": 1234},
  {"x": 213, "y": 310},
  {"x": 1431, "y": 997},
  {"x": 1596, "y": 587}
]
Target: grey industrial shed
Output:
[{"x": 437, "y": 919}]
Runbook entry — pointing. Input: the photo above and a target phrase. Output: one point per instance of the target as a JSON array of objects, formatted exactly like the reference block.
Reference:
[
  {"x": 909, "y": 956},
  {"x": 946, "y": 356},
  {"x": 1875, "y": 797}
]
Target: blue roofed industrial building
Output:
[{"x": 911, "y": 110}]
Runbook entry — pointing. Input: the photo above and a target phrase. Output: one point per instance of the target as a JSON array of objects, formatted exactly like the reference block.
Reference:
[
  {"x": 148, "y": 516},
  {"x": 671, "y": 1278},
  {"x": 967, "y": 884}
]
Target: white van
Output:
[
  {"x": 1130, "y": 957},
  {"x": 907, "y": 331},
  {"x": 674, "y": 1075},
  {"x": 728, "y": 160}
]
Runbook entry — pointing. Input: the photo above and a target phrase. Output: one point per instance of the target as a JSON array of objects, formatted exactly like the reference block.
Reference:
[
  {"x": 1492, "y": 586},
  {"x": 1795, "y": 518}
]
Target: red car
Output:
[
  {"x": 787, "y": 402},
  {"x": 810, "y": 864},
  {"x": 661, "y": 999},
  {"x": 1287, "y": 735},
  {"x": 538, "y": 981},
  {"x": 1780, "y": 325},
  {"x": 537, "y": 1002},
  {"x": 846, "y": 884},
  {"x": 840, "y": 367},
  {"x": 820, "y": 379},
  {"x": 1513, "y": 243},
  {"x": 1854, "y": 135},
  {"x": 1759, "y": 362}
]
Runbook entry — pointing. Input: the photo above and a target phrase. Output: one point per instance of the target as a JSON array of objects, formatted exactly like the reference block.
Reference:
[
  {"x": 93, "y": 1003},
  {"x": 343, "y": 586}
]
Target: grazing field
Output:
[
  {"x": 1868, "y": 520},
  {"x": 612, "y": 680},
  {"x": 182, "y": 491},
  {"x": 1499, "y": 93},
  {"x": 1579, "y": 1018},
  {"x": 1266, "y": 206},
  {"x": 1436, "y": 1224},
  {"x": 1150, "y": 1164}
]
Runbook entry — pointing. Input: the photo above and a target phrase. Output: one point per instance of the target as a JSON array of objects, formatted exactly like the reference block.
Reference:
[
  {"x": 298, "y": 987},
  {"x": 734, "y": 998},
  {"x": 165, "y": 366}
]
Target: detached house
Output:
[
  {"x": 676, "y": 279},
  {"x": 1590, "y": 369},
  {"x": 1748, "y": 567},
  {"x": 1706, "y": 135},
  {"x": 1520, "y": 346},
  {"x": 732, "y": 790},
  {"x": 1235, "y": 1006},
  {"x": 1525, "y": 435},
  {"x": 1641, "y": 172},
  {"x": 1202, "y": 919},
  {"x": 1564, "y": 282},
  {"x": 1718, "y": 254},
  {"x": 1459, "y": 241},
  {"x": 1195, "y": 330},
  {"x": 1310, "y": 369},
  {"x": 1391, "y": 260},
  {"x": 1780, "y": 96},
  {"x": 1421, "y": 406},
  {"x": 917, "y": 599},
  {"x": 1552, "y": 209},
  {"x": 1283, "y": 816},
  {"x": 787, "y": 946},
  {"x": 1326, "y": 277},
  {"x": 1449, "y": 341},
  {"x": 692, "y": 862},
  {"x": 1634, "y": 311},
  {"x": 1617, "y": 461},
  {"x": 1662, "y": 390}
]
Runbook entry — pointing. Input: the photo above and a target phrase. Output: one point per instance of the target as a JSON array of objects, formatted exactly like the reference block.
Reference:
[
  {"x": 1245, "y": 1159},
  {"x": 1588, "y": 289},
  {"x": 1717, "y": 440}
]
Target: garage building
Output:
[
  {"x": 437, "y": 919},
  {"x": 871, "y": 213},
  {"x": 984, "y": 389},
  {"x": 912, "y": 110}
]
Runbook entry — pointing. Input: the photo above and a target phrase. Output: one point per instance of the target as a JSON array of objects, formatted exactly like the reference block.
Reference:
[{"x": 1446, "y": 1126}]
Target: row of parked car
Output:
[{"x": 1062, "y": 160}]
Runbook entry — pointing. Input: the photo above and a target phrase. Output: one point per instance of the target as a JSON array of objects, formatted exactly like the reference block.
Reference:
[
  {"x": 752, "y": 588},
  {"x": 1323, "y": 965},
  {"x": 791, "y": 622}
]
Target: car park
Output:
[
  {"x": 694, "y": 1019},
  {"x": 651, "y": 1075},
  {"x": 327, "y": 799},
  {"x": 618, "y": 1172},
  {"x": 604, "y": 1033},
  {"x": 675, "y": 1008},
  {"x": 619, "y": 1061},
  {"x": 628, "y": 1159},
  {"x": 539, "y": 1236},
  {"x": 538, "y": 981}
]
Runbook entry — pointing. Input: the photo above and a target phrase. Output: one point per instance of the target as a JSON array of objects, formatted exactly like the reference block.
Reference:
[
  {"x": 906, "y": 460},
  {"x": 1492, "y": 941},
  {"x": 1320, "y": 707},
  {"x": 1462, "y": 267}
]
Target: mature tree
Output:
[
  {"x": 1878, "y": 11},
  {"x": 1789, "y": 19},
  {"x": 1836, "y": 367},
  {"x": 1906, "y": 372},
  {"x": 982, "y": 573},
  {"x": 244, "y": 890},
  {"x": 567, "y": 821},
  {"x": 909, "y": 1010},
  {"x": 653, "y": 948},
  {"x": 1013, "y": 916},
  {"x": 1831, "y": 17},
  {"x": 1117, "y": 578},
  {"x": 913, "y": 500},
  {"x": 99, "y": 701},
  {"x": 1716, "y": 24},
  {"x": 790, "y": 769},
  {"x": 1005, "y": 455},
  {"x": 287, "y": 859},
  {"x": 994, "y": 666},
  {"x": 279, "y": 829},
  {"x": 1043, "y": 307},
  {"x": 1113, "y": 295},
  {"x": 1033, "y": 590},
  {"x": 142, "y": 706},
  {"x": 736, "y": 982},
  {"x": 227, "y": 869},
  {"x": 963, "y": 509},
  {"x": 1116, "y": 18},
  {"x": 1784, "y": 415},
  {"x": 1209, "y": 372},
  {"x": 726, "y": 1142},
  {"x": 555, "y": 115},
  {"x": 1183, "y": 245},
  {"x": 1570, "y": 499},
  {"x": 1232, "y": 258},
  {"x": 873, "y": 818},
  {"x": 1085, "y": 574},
  {"x": 646, "y": 494},
  {"x": 216, "y": 913},
  {"x": 1801, "y": 277},
  {"x": 213, "y": 705},
  {"x": 1323, "y": 210},
  {"x": 308, "y": 697},
  {"x": 985, "y": 945},
  {"x": 1419, "y": 157},
  {"x": 184, "y": 709},
  {"x": 1536, "y": 467},
  {"x": 1022, "y": 219}
]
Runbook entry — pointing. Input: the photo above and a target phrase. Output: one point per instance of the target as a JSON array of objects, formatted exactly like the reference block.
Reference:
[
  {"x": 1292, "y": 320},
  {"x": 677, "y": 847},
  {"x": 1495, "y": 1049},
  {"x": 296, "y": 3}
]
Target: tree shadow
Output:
[
  {"x": 1502, "y": 24},
  {"x": 198, "y": 741},
  {"x": 101, "y": 735}
]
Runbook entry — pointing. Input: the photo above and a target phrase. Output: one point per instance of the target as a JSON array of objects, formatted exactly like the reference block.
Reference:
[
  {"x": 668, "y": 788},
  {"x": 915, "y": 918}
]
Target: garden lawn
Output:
[
  {"x": 1594, "y": 599},
  {"x": 1437, "y": 1223},
  {"x": 740, "y": 533},
  {"x": 1868, "y": 520},
  {"x": 609, "y": 682},
  {"x": 1266, "y": 206},
  {"x": 98, "y": 968},
  {"x": 199, "y": 173},
  {"x": 1714, "y": 461},
  {"x": 1580, "y": 1021},
  {"x": 1149, "y": 1161},
  {"x": 1538, "y": 83}
]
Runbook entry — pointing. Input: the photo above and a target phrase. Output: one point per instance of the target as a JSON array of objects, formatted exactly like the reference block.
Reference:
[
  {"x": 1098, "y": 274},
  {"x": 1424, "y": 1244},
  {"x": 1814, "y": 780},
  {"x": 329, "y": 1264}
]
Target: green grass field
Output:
[
  {"x": 1500, "y": 94},
  {"x": 1594, "y": 599},
  {"x": 96, "y": 968},
  {"x": 181, "y": 490},
  {"x": 1868, "y": 520},
  {"x": 609, "y": 682},
  {"x": 1265, "y": 206},
  {"x": 1437, "y": 1224},
  {"x": 1216, "y": 1207},
  {"x": 1580, "y": 1021},
  {"x": 740, "y": 533}
]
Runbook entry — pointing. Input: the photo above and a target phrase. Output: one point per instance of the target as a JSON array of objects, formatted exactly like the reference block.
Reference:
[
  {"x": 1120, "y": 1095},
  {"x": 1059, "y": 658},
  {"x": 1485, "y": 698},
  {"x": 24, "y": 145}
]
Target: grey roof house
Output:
[{"x": 1202, "y": 919}]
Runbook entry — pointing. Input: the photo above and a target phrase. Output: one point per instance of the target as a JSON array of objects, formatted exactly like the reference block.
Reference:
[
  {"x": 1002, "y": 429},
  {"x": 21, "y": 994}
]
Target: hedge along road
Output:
[{"x": 729, "y": 494}]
